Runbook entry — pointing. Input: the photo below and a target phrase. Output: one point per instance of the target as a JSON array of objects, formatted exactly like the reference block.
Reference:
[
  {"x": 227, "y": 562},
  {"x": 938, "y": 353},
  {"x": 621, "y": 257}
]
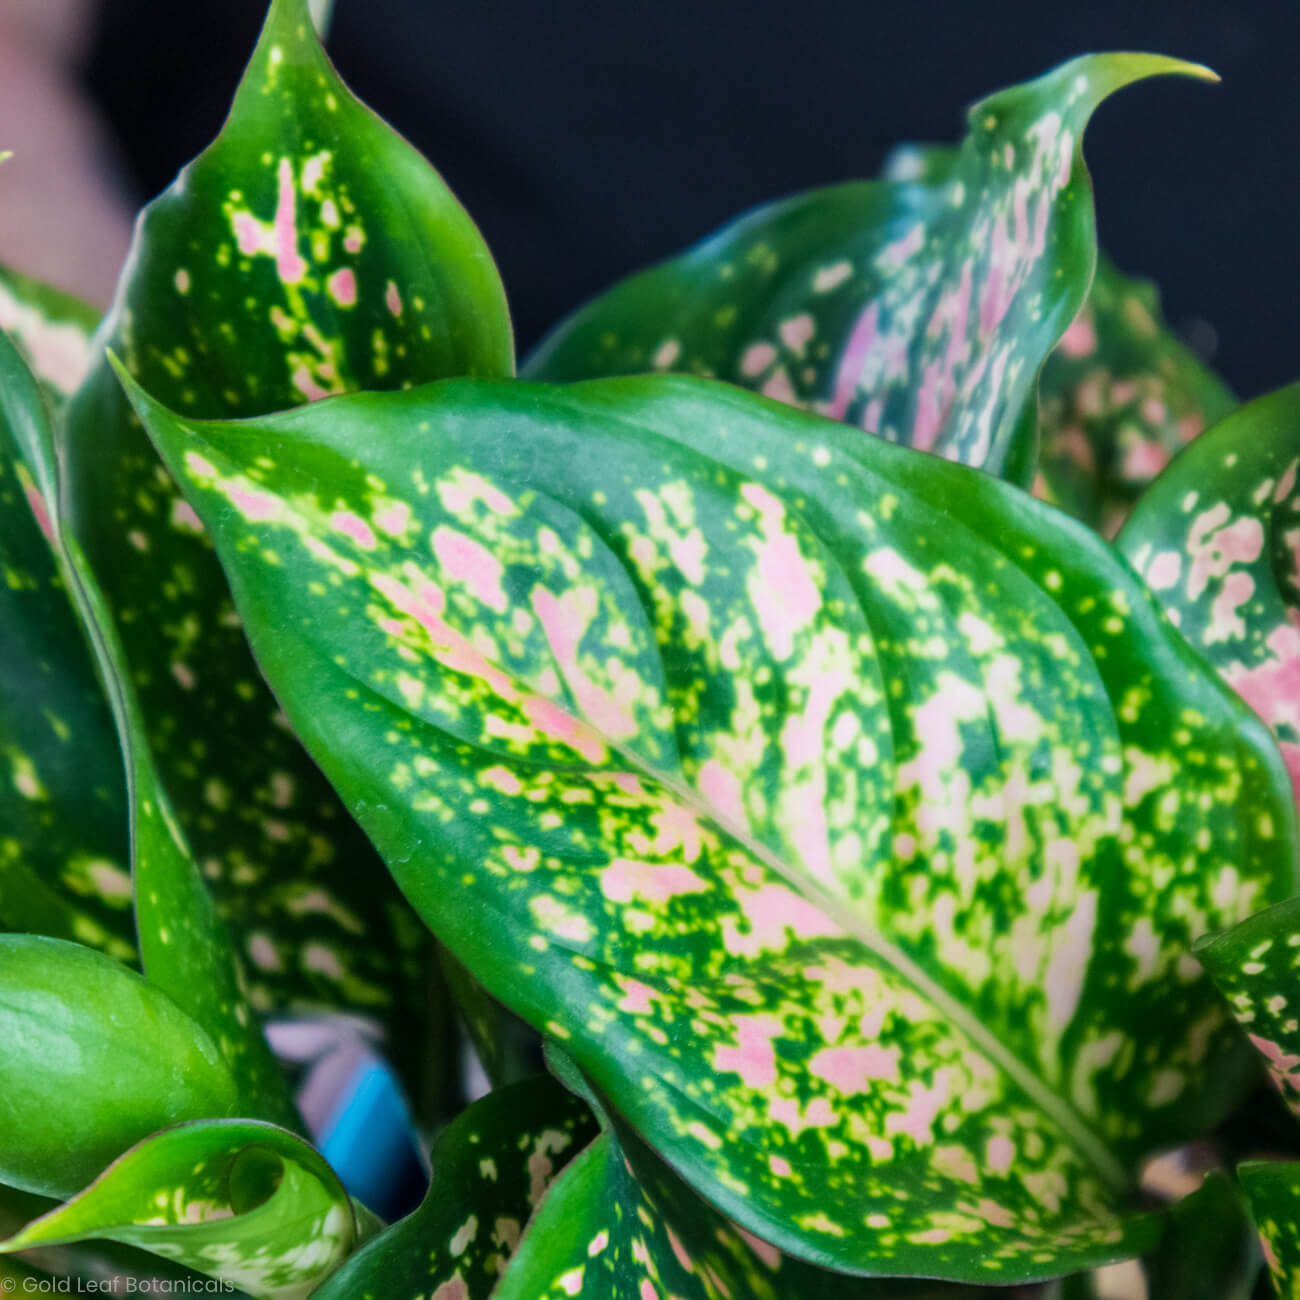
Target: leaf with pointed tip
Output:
[
  {"x": 248, "y": 1203},
  {"x": 491, "y": 1167},
  {"x": 95, "y": 1059},
  {"x": 1272, "y": 1189},
  {"x": 63, "y": 849},
  {"x": 185, "y": 947},
  {"x": 1217, "y": 538},
  {"x": 829, "y": 802},
  {"x": 1256, "y": 966},
  {"x": 308, "y": 250},
  {"x": 1208, "y": 1250},
  {"x": 920, "y": 309},
  {"x": 1118, "y": 397},
  {"x": 53, "y": 331}
]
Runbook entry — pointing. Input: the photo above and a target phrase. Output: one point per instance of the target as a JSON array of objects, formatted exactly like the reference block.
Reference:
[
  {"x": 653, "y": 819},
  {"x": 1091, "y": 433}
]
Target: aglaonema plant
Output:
[{"x": 898, "y": 873}]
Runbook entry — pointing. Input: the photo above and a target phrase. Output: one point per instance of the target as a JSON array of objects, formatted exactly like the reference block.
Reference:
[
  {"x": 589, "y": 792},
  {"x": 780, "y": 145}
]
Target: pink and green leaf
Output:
[
  {"x": 53, "y": 331},
  {"x": 1272, "y": 1191},
  {"x": 63, "y": 849},
  {"x": 308, "y": 250},
  {"x": 248, "y": 1204},
  {"x": 921, "y": 309},
  {"x": 1119, "y": 396},
  {"x": 827, "y": 801},
  {"x": 491, "y": 1168},
  {"x": 95, "y": 1059},
  {"x": 1217, "y": 538}
]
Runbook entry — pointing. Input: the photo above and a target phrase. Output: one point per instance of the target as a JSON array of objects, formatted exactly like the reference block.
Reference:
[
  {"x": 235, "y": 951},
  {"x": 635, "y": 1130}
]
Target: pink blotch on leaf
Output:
[
  {"x": 256, "y": 506},
  {"x": 288, "y": 262},
  {"x": 756, "y": 358},
  {"x": 553, "y": 721},
  {"x": 765, "y": 1251},
  {"x": 392, "y": 299},
  {"x": 680, "y": 1251},
  {"x": 37, "y": 504},
  {"x": 852, "y": 1070},
  {"x": 849, "y": 372},
  {"x": 722, "y": 789},
  {"x": 342, "y": 286},
  {"x": 773, "y": 912},
  {"x": 753, "y": 1057},
  {"x": 1080, "y": 340},
  {"x": 353, "y": 526},
  {"x": 637, "y": 997},
  {"x": 655, "y": 882}
]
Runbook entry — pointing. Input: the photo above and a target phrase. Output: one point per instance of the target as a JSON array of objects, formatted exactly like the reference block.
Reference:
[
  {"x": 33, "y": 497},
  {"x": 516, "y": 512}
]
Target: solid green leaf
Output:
[
  {"x": 185, "y": 947},
  {"x": 830, "y": 803},
  {"x": 1217, "y": 538},
  {"x": 95, "y": 1058},
  {"x": 920, "y": 309},
  {"x": 1256, "y": 966},
  {"x": 52, "y": 329},
  {"x": 491, "y": 1167},
  {"x": 247, "y": 1203},
  {"x": 1118, "y": 397},
  {"x": 308, "y": 250},
  {"x": 1209, "y": 1249},
  {"x": 63, "y": 843},
  {"x": 1272, "y": 1191}
]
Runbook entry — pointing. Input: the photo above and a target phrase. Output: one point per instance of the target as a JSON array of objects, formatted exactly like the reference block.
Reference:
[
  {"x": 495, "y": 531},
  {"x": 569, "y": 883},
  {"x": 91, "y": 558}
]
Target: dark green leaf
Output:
[
  {"x": 63, "y": 847},
  {"x": 490, "y": 1170},
  {"x": 1217, "y": 537},
  {"x": 185, "y": 948},
  {"x": 1209, "y": 1249},
  {"x": 1272, "y": 1191},
  {"x": 1119, "y": 396},
  {"x": 829, "y": 802},
  {"x": 53, "y": 330},
  {"x": 247, "y": 1203},
  {"x": 920, "y": 309},
  {"x": 308, "y": 250},
  {"x": 94, "y": 1059}
]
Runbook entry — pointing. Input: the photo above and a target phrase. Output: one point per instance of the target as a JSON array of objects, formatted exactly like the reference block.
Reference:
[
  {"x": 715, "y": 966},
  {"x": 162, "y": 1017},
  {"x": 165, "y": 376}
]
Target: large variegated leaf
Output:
[
  {"x": 1256, "y": 966},
  {"x": 1217, "y": 537},
  {"x": 1118, "y": 397},
  {"x": 307, "y": 251},
  {"x": 95, "y": 1058},
  {"x": 830, "y": 802},
  {"x": 53, "y": 330},
  {"x": 491, "y": 1167},
  {"x": 185, "y": 947},
  {"x": 920, "y": 309},
  {"x": 1272, "y": 1191},
  {"x": 249, "y": 1204},
  {"x": 63, "y": 846}
]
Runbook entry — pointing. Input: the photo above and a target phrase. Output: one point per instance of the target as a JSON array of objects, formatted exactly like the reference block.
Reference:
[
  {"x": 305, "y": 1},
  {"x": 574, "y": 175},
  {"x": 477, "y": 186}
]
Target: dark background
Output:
[{"x": 590, "y": 139}]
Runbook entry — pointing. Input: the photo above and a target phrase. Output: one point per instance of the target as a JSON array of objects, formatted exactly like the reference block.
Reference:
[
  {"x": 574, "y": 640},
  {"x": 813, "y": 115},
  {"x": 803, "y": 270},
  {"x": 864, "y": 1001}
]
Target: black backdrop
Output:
[{"x": 589, "y": 139}]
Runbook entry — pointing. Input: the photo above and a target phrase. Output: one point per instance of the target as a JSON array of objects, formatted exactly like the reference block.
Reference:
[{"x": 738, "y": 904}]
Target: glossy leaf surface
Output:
[
  {"x": 94, "y": 1059},
  {"x": 1217, "y": 537},
  {"x": 1119, "y": 396},
  {"x": 52, "y": 329},
  {"x": 63, "y": 848},
  {"x": 1256, "y": 966},
  {"x": 491, "y": 1168},
  {"x": 920, "y": 309},
  {"x": 249, "y": 1204},
  {"x": 1209, "y": 1250},
  {"x": 829, "y": 802},
  {"x": 1272, "y": 1191},
  {"x": 185, "y": 948},
  {"x": 308, "y": 250}
]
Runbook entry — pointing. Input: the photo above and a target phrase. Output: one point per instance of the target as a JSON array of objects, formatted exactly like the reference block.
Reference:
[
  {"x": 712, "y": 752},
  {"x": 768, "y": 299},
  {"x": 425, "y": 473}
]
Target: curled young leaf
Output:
[
  {"x": 1208, "y": 1250},
  {"x": 829, "y": 802},
  {"x": 308, "y": 250},
  {"x": 95, "y": 1058},
  {"x": 921, "y": 309},
  {"x": 63, "y": 853},
  {"x": 491, "y": 1168},
  {"x": 247, "y": 1203},
  {"x": 1217, "y": 538}
]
